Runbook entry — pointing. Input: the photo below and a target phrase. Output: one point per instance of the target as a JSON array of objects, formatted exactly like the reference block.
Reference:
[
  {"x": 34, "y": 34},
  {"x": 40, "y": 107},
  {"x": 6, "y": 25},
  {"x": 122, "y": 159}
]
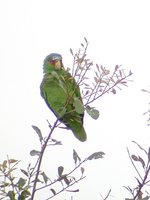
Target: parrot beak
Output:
[{"x": 58, "y": 64}]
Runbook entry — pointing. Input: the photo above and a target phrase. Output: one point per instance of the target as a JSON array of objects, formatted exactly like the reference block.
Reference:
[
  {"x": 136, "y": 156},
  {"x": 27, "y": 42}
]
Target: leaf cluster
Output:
[
  {"x": 11, "y": 186},
  {"x": 94, "y": 79},
  {"x": 14, "y": 186}
]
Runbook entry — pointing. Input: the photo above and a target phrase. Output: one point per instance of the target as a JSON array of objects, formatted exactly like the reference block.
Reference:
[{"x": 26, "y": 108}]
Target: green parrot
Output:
[{"x": 60, "y": 92}]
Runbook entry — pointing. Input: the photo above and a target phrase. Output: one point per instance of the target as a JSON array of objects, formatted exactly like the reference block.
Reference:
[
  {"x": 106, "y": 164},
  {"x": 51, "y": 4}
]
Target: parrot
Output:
[{"x": 60, "y": 91}]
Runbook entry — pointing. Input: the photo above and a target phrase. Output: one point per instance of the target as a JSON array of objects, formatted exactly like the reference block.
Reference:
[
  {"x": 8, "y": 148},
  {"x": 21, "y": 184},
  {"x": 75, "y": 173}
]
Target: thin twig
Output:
[
  {"x": 134, "y": 165},
  {"x": 64, "y": 188},
  {"x": 57, "y": 180}
]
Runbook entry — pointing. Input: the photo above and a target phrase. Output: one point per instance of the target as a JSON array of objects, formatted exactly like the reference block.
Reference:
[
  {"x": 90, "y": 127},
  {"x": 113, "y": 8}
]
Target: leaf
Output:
[
  {"x": 77, "y": 190},
  {"x": 60, "y": 170},
  {"x": 82, "y": 170},
  {"x": 4, "y": 164},
  {"x": 76, "y": 157},
  {"x": 142, "y": 161},
  {"x": 11, "y": 195},
  {"x": 146, "y": 198},
  {"x": 21, "y": 183},
  {"x": 82, "y": 44},
  {"x": 96, "y": 80},
  {"x": 78, "y": 105},
  {"x": 120, "y": 72},
  {"x": 128, "y": 199},
  {"x": 96, "y": 155},
  {"x": 97, "y": 66},
  {"x": 66, "y": 180},
  {"x": 5, "y": 184},
  {"x": 116, "y": 67},
  {"x": 38, "y": 131},
  {"x": 107, "y": 72},
  {"x": 85, "y": 40},
  {"x": 45, "y": 177},
  {"x": 35, "y": 153},
  {"x": 92, "y": 112},
  {"x": 12, "y": 161},
  {"x": 24, "y": 195},
  {"x": 134, "y": 157},
  {"x": 53, "y": 191},
  {"x": 71, "y": 51},
  {"x": 113, "y": 91},
  {"x": 24, "y": 172}
]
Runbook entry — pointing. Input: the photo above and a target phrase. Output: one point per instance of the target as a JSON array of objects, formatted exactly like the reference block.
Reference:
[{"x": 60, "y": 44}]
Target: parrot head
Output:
[{"x": 52, "y": 62}]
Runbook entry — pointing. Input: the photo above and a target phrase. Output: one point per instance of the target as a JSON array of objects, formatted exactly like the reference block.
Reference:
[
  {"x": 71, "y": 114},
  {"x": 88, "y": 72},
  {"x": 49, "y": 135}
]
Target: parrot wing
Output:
[{"x": 59, "y": 90}]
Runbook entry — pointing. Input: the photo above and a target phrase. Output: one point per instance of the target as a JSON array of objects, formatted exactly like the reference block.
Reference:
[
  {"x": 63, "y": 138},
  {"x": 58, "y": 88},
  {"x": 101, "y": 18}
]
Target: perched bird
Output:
[{"x": 60, "y": 91}]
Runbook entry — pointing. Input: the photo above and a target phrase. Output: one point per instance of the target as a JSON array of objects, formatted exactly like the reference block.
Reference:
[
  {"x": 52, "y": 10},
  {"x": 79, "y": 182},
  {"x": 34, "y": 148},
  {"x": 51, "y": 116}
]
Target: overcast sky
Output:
[{"x": 118, "y": 33}]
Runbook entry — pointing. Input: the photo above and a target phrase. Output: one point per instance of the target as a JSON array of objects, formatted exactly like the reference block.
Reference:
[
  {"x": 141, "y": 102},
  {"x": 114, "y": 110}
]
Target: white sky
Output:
[{"x": 119, "y": 33}]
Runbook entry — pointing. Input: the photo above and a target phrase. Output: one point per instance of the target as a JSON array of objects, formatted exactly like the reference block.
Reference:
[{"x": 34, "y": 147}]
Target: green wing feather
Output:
[{"x": 59, "y": 89}]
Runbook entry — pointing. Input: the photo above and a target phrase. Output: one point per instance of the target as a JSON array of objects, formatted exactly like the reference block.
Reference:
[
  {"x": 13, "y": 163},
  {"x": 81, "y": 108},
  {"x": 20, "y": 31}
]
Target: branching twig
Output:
[
  {"x": 57, "y": 180},
  {"x": 40, "y": 159},
  {"x": 108, "y": 194},
  {"x": 146, "y": 167}
]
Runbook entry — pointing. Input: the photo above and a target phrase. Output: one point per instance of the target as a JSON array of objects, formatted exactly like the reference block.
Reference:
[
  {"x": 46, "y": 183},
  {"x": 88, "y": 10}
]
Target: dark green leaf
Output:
[
  {"x": 142, "y": 161},
  {"x": 4, "y": 185},
  {"x": 146, "y": 198},
  {"x": 38, "y": 131},
  {"x": 24, "y": 172},
  {"x": 53, "y": 191},
  {"x": 76, "y": 157},
  {"x": 11, "y": 195},
  {"x": 21, "y": 183},
  {"x": 138, "y": 158},
  {"x": 128, "y": 199},
  {"x": 92, "y": 112},
  {"x": 71, "y": 51},
  {"x": 97, "y": 66},
  {"x": 60, "y": 170},
  {"x": 24, "y": 195},
  {"x": 113, "y": 91},
  {"x": 35, "y": 153},
  {"x": 96, "y": 155},
  {"x": 82, "y": 170},
  {"x": 85, "y": 40},
  {"x": 77, "y": 190},
  {"x": 116, "y": 67},
  {"x": 66, "y": 180},
  {"x": 135, "y": 158},
  {"x": 45, "y": 177}
]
